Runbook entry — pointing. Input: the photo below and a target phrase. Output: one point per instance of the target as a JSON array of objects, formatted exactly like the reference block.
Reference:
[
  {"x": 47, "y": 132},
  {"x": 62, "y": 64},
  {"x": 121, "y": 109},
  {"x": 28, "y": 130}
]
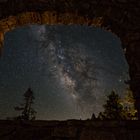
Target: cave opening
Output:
[{"x": 70, "y": 68}]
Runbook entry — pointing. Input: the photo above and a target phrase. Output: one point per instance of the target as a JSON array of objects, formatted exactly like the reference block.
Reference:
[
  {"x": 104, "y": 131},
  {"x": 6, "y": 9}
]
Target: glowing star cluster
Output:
[{"x": 71, "y": 68}]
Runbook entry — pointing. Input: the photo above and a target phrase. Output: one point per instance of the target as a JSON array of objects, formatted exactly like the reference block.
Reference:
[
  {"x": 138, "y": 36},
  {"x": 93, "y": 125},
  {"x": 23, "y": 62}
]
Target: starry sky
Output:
[{"x": 70, "y": 69}]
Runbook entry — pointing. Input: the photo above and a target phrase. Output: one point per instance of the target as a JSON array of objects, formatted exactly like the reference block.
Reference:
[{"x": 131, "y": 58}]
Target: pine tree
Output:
[
  {"x": 28, "y": 113},
  {"x": 119, "y": 109},
  {"x": 113, "y": 109},
  {"x": 128, "y": 105}
]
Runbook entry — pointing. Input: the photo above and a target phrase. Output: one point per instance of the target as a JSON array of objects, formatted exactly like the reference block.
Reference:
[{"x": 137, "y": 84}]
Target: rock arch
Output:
[{"x": 119, "y": 16}]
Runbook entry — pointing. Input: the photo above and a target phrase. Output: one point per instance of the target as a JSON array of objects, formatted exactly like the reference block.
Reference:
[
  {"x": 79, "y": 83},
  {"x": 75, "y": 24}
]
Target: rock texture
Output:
[
  {"x": 70, "y": 130},
  {"x": 122, "y": 17}
]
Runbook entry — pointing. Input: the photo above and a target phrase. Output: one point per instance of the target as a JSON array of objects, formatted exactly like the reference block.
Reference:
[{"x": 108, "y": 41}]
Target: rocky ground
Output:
[{"x": 69, "y": 130}]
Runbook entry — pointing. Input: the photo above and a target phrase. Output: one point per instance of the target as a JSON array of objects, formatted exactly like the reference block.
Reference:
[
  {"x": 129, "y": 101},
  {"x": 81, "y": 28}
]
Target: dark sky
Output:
[{"x": 71, "y": 69}]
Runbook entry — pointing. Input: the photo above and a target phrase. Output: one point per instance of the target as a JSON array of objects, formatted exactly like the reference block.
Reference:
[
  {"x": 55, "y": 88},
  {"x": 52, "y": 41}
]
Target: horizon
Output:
[{"x": 27, "y": 62}]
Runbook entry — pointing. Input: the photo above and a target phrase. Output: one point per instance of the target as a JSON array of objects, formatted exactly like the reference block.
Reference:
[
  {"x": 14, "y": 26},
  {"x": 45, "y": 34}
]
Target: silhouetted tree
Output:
[
  {"x": 113, "y": 109},
  {"x": 119, "y": 109},
  {"x": 101, "y": 116},
  {"x": 28, "y": 113},
  {"x": 93, "y": 117}
]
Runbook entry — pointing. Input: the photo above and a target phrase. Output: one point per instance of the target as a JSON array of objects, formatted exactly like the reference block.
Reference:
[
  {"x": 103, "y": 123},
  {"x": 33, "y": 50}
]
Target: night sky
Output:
[{"x": 70, "y": 69}]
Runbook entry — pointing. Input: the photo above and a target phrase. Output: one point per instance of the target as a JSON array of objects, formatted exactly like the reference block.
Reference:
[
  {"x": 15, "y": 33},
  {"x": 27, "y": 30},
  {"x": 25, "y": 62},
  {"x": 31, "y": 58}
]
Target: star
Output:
[{"x": 71, "y": 69}]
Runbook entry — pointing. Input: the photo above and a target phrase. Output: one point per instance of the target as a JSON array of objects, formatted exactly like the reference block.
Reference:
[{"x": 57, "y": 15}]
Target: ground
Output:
[{"x": 69, "y": 130}]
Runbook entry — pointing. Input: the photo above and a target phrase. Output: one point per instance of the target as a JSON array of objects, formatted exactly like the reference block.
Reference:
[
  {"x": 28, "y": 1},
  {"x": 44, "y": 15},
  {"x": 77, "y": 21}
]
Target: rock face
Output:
[
  {"x": 70, "y": 130},
  {"x": 122, "y": 17}
]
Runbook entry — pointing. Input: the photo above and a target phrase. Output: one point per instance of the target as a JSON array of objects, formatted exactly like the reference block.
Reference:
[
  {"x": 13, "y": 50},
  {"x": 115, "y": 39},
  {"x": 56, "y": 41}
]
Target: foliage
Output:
[
  {"x": 117, "y": 109},
  {"x": 128, "y": 105},
  {"x": 113, "y": 109},
  {"x": 28, "y": 113}
]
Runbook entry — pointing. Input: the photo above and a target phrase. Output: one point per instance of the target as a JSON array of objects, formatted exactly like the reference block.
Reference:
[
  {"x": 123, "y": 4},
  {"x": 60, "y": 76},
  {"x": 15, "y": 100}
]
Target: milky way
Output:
[{"x": 70, "y": 68}]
